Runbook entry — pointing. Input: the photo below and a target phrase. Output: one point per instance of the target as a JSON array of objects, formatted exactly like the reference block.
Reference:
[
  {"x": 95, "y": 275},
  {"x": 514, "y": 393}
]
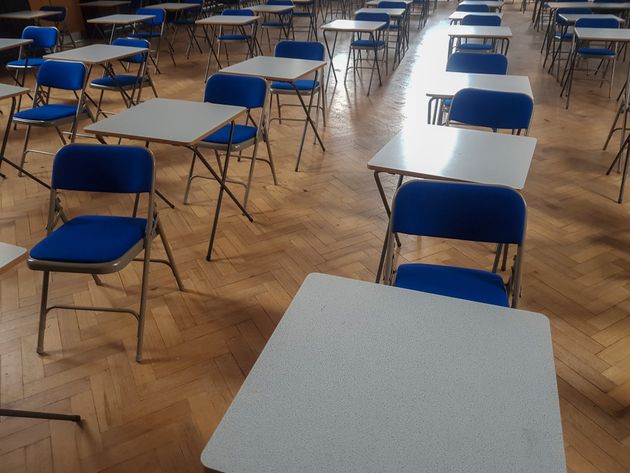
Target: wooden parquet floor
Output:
[{"x": 201, "y": 343}]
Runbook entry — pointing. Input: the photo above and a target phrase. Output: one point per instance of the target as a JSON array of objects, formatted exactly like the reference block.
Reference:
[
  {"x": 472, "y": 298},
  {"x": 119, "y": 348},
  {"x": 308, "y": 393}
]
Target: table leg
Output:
[
  {"x": 331, "y": 53},
  {"x": 39, "y": 415},
  {"x": 211, "y": 52},
  {"x": 308, "y": 114}
]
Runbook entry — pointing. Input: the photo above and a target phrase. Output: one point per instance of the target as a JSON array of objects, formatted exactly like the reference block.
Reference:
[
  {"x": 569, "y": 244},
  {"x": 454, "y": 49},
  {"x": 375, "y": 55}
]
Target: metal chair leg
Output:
[{"x": 42, "y": 313}]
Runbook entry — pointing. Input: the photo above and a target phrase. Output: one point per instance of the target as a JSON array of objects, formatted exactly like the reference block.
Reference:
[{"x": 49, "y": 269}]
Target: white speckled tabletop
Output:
[{"x": 360, "y": 377}]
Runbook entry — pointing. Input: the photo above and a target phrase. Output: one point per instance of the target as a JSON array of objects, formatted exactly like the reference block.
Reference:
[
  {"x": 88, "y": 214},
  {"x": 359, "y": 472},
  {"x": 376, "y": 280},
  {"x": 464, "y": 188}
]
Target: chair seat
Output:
[
  {"x": 242, "y": 133},
  {"x": 48, "y": 112},
  {"x": 234, "y": 37},
  {"x": 275, "y": 24},
  {"x": 475, "y": 47},
  {"x": 461, "y": 283},
  {"x": 301, "y": 84},
  {"x": 367, "y": 43},
  {"x": 23, "y": 63},
  {"x": 595, "y": 52},
  {"x": 563, "y": 37},
  {"x": 146, "y": 34},
  {"x": 184, "y": 21},
  {"x": 121, "y": 80},
  {"x": 91, "y": 239}
]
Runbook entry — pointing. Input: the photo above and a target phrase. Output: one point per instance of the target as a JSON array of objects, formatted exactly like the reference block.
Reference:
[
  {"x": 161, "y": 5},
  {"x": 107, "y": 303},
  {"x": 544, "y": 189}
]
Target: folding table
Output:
[
  {"x": 453, "y": 154},
  {"x": 374, "y": 3},
  {"x": 351, "y": 26},
  {"x": 118, "y": 20},
  {"x": 360, "y": 377},
  {"x": 496, "y": 34},
  {"x": 10, "y": 255},
  {"x": 105, "y": 4},
  {"x": 103, "y": 55},
  {"x": 399, "y": 15},
  {"x": 218, "y": 22},
  {"x": 288, "y": 70},
  {"x": 457, "y": 16},
  {"x": 267, "y": 10},
  {"x": 28, "y": 15},
  {"x": 178, "y": 123},
  {"x": 13, "y": 92},
  {"x": 446, "y": 84},
  {"x": 13, "y": 43}
]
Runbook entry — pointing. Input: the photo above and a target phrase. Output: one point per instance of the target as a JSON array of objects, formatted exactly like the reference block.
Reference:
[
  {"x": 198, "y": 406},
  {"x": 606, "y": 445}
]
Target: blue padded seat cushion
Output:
[
  {"x": 32, "y": 62},
  {"x": 242, "y": 133},
  {"x": 275, "y": 24},
  {"x": 476, "y": 46},
  {"x": 121, "y": 80},
  {"x": 596, "y": 51},
  {"x": 367, "y": 43},
  {"x": 564, "y": 36},
  {"x": 301, "y": 84},
  {"x": 91, "y": 239},
  {"x": 146, "y": 34},
  {"x": 461, "y": 283},
  {"x": 47, "y": 112},
  {"x": 234, "y": 37}
]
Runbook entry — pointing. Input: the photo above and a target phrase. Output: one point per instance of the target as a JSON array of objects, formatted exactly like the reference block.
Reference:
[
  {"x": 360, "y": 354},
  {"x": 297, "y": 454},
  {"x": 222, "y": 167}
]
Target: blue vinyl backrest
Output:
[
  {"x": 368, "y": 16},
  {"x": 243, "y": 12},
  {"x": 460, "y": 211},
  {"x": 474, "y": 8},
  {"x": 241, "y": 91},
  {"x": 481, "y": 20},
  {"x": 103, "y": 168},
  {"x": 492, "y": 109},
  {"x": 44, "y": 37},
  {"x": 158, "y": 13},
  {"x": 279, "y": 2},
  {"x": 311, "y": 50},
  {"x": 62, "y": 75},
  {"x": 391, "y": 4},
  {"x": 474, "y": 63},
  {"x": 571, "y": 11},
  {"x": 59, "y": 17},
  {"x": 133, "y": 43},
  {"x": 597, "y": 23}
]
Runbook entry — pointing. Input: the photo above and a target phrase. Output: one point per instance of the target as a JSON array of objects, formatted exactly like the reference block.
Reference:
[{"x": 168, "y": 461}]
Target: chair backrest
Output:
[
  {"x": 61, "y": 75},
  {"x": 369, "y": 16},
  {"x": 492, "y": 109},
  {"x": 481, "y": 20},
  {"x": 103, "y": 168},
  {"x": 241, "y": 91},
  {"x": 312, "y": 50},
  {"x": 61, "y": 16},
  {"x": 280, "y": 2},
  {"x": 474, "y": 8},
  {"x": 243, "y": 12},
  {"x": 460, "y": 211},
  {"x": 133, "y": 43},
  {"x": 473, "y": 63},
  {"x": 597, "y": 23},
  {"x": 44, "y": 37},
  {"x": 391, "y": 4},
  {"x": 158, "y": 14}
]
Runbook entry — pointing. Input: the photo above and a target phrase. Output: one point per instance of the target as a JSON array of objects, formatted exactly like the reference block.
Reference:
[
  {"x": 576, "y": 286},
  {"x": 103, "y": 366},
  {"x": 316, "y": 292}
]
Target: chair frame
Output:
[
  {"x": 153, "y": 229},
  {"x": 381, "y": 35},
  {"x": 392, "y": 252}
]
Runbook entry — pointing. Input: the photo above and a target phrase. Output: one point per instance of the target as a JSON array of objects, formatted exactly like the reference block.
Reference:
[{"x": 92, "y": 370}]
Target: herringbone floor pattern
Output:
[{"x": 201, "y": 343}]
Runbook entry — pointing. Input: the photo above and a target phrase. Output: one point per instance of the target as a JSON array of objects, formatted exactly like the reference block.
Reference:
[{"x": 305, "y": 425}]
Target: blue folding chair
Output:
[
  {"x": 70, "y": 76},
  {"x": 375, "y": 43},
  {"x": 232, "y": 36},
  {"x": 59, "y": 20},
  {"x": 559, "y": 35},
  {"x": 473, "y": 8},
  {"x": 492, "y": 109},
  {"x": 283, "y": 23},
  {"x": 399, "y": 31},
  {"x": 310, "y": 50},
  {"x": 154, "y": 28},
  {"x": 459, "y": 211},
  {"x": 44, "y": 41},
  {"x": 186, "y": 20},
  {"x": 100, "y": 244},
  {"x": 127, "y": 82},
  {"x": 242, "y": 91},
  {"x": 471, "y": 63},
  {"x": 584, "y": 52},
  {"x": 479, "y": 20}
]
